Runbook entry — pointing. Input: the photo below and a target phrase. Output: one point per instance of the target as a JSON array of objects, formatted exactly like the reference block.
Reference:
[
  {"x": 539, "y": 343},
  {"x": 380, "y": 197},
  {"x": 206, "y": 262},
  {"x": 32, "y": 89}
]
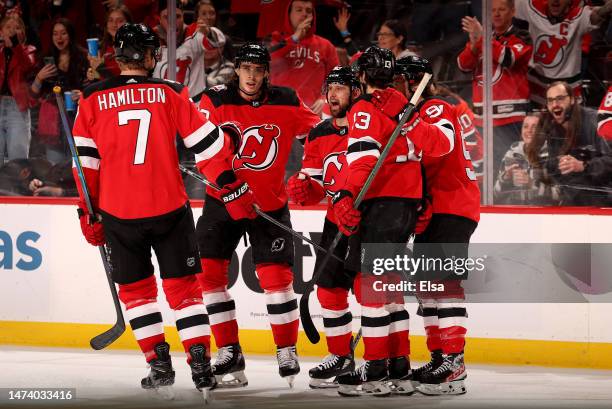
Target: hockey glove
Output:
[
  {"x": 347, "y": 217},
  {"x": 303, "y": 190},
  {"x": 425, "y": 213},
  {"x": 238, "y": 200},
  {"x": 90, "y": 226},
  {"x": 392, "y": 103}
]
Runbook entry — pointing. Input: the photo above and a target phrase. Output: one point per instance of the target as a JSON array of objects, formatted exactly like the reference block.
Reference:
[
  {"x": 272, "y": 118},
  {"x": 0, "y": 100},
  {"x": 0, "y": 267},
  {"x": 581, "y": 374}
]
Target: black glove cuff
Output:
[{"x": 340, "y": 194}]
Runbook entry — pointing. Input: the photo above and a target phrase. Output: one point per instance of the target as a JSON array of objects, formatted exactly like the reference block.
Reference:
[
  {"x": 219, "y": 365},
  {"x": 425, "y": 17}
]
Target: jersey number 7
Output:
[{"x": 143, "y": 117}]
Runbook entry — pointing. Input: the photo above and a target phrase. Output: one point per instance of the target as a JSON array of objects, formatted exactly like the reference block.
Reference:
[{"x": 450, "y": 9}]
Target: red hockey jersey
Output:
[
  {"x": 269, "y": 127},
  {"x": 302, "y": 66},
  {"x": 325, "y": 158},
  {"x": 450, "y": 179},
  {"x": 400, "y": 175},
  {"x": 471, "y": 137},
  {"x": 125, "y": 133},
  {"x": 604, "y": 116},
  {"x": 511, "y": 53}
]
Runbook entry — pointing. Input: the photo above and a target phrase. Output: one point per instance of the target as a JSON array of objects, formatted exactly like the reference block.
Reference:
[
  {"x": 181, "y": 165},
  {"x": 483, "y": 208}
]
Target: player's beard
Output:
[{"x": 341, "y": 112}]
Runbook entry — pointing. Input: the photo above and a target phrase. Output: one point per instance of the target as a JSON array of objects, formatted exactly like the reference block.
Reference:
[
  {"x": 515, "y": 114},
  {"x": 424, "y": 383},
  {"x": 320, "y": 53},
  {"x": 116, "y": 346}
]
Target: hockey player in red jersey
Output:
[
  {"x": 321, "y": 175},
  {"x": 270, "y": 118},
  {"x": 453, "y": 213},
  {"x": 604, "y": 116},
  {"x": 125, "y": 133},
  {"x": 387, "y": 215}
]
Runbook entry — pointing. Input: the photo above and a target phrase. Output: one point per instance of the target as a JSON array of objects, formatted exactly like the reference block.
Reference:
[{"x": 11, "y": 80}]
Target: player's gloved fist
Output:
[
  {"x": 238, "y": 200},
  {"x": 425, "y": 213},
  {"x": 390, "y": 101},
  {"x": 90, "y": 226},
  {"x": 347, "y": 217},
  {"x": 299, "y": 188}
]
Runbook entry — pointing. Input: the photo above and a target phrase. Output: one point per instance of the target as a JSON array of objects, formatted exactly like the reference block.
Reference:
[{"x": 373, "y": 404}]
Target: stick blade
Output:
[
  {"x": 307, "y": 324},
  {"x": 108, "y": 337}
]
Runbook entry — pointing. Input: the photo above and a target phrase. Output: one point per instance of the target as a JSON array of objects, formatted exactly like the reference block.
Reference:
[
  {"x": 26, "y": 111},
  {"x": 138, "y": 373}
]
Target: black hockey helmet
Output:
[
  {"x": 413, "y": 67},
  {"x": 253, "y": 53},
  {"x": 132, "y": 41},
  {"x": 341, "y": 75},
  {"x": 378, "y": 64}
]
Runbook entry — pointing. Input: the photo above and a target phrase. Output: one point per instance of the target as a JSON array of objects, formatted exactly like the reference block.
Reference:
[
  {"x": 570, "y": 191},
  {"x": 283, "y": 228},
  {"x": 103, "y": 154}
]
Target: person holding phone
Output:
[
  {"x": 66, "y": 66},
  {"x": 16, "y": 63}
]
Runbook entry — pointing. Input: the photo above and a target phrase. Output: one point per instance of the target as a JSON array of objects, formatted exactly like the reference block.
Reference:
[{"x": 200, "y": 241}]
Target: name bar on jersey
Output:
[{"x": 131, "y": 96}]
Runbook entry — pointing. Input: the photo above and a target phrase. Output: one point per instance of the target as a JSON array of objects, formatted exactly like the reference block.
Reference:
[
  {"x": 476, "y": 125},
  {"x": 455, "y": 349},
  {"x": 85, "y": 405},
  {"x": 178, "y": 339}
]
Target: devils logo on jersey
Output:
[
  {"x": 549, "y": 50},
  {"x": 259, "y": 148},
  {"x": 332, "y": 166}
]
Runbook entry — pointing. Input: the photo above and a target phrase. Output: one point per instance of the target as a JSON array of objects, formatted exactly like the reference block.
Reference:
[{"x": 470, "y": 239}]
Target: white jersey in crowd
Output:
[
  {"x": 556, "y": 47},
  {"x": 190, "y": 65}
]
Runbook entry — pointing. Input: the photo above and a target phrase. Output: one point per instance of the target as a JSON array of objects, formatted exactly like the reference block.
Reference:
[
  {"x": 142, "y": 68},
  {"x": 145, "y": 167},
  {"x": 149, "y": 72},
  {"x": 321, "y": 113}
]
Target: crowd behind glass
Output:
[{"x": 552, "y": 100}]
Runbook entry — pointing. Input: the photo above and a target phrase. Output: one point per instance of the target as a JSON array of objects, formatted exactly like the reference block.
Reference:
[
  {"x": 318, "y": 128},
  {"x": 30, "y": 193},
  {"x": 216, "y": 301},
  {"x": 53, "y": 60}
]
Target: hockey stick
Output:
[
  {"x": 259, "y": 212},
  {"x": 307, "y": 323},
  {"x": 108, "y": 337}
]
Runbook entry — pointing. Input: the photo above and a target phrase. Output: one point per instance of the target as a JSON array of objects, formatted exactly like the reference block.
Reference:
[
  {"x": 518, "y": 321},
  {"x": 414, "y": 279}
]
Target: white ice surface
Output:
[{"x": 112, "y": 380}]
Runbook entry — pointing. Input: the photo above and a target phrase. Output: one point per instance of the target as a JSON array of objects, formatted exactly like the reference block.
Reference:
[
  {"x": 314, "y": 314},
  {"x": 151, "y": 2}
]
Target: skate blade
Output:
[
  {"x": 376, "y": 388},
  {"x": 323, "y": 383},
  {"x": 234, "y": 380},
  {"x": 399, "y": 387},
  {"x": 290, "y": 379},
  {"x": 165, "y": 392},
  {"x": 447, "y": 388},
  {"x": 207, "y": 395}
]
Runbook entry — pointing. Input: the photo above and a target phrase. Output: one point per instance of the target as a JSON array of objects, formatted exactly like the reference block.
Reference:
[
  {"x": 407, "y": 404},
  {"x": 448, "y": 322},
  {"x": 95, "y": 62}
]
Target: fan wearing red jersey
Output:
[
  {"x": 512, "y": 49},
  {"x": 320, "y": 176},
  {"x": 270, "y": 119},
  {"x": 604, "y": 116},
  {"x": 125, "y": 134},
  {"x": 452, "y": 188},
  {"x": 387, "y": 215}
]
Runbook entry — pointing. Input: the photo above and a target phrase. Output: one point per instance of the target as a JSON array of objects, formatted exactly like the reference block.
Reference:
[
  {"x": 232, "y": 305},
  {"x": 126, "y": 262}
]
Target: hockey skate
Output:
[
  {"x": 436, "y": 360},
  {"x": 400, "y": 376},
  {"x": 446, "y": 379},
  {"x": 331, "y": 367},
  {"x": 371, "y": 378},
  {"x": 288, "y": 365},
  {"x": 161, "y": 377},
  {"x": 201, "y": 371},
  {"x": 229, "y": 367}
]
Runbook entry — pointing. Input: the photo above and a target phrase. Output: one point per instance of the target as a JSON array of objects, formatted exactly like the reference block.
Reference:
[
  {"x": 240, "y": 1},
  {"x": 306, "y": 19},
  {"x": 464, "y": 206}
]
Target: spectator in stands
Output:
[
  {"x": 341, "y": 23},
  {"x": 58, "y": 181},
  {"x": 69, "y": 71},
  {"x": 579, "y": 161},
  {"x": 142, "y": 11},
  {"x": 17, "y": 62},
  {"x": 604, "y": 116},
  {"x": 512, "y": 50},
  {"x": 196, "y": 56},
  {"x": 557, "y": 27},
  {"x": 219, "y": 70},
  {"x": 161, "y": 29},
  {"x": 520, "y": 181},
  {"x": 206, "y": 14},
  {"x": 300, "y": 58},
  {"x": 104, "y": 66},
  {"x": 15, "y": 175},
  {"x": 392, "y": 36}
]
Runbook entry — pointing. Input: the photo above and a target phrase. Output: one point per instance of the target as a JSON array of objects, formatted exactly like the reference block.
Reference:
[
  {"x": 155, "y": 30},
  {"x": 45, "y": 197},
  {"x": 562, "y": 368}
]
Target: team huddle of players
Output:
[{"x": 241, "y": 135}]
